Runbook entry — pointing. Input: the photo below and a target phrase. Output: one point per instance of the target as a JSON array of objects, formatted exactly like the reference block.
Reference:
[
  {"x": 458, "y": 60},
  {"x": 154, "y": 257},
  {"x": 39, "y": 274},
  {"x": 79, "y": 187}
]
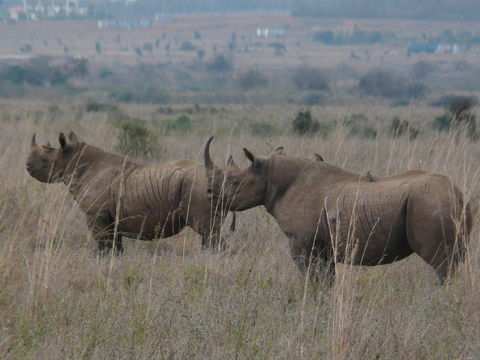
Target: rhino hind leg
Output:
[
  {"x": 432, "y": 233},
  {"x": 107, "y": 245}
]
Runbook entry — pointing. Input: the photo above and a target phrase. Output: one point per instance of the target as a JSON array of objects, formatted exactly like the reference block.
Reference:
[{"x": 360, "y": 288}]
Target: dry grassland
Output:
[{"x": 170, "y": 300}]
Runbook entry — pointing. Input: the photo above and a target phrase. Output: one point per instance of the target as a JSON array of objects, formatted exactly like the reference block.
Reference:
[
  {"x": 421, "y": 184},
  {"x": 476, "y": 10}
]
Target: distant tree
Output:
[
  {"x": 98, "y": 47},
  {"x": 26, "y": 48},
  {"x": 147, "y": 47},
  {"x": 422, "y": 69},
  {"x": 200, "y": 54},
  {"x": 138, "y": 51},
  {"x": 187, "y": 46},
  {"x": 220, "y": 63},
  {"x": 197, "y": 35},
  {"x": 279, "y": 48}
]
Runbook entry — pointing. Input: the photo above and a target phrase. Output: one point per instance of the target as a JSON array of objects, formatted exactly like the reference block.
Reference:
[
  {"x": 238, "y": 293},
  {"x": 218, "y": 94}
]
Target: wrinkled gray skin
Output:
[
  {"x": 145, "y": 201},
  {"x": 331, "y": 215}
]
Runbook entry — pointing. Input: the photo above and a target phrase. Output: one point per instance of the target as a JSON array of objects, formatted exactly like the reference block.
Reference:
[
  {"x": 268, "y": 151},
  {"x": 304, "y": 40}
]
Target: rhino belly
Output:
[
  {"x": 378, "y": 236},
  {"x": 150, "y": 226}
]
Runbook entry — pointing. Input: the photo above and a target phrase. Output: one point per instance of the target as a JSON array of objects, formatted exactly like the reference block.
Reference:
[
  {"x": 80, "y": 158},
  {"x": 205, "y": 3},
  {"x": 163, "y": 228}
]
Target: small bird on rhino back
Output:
[
  {"x": 123, "y": 197},
  {"x": 331, "y": 215}
]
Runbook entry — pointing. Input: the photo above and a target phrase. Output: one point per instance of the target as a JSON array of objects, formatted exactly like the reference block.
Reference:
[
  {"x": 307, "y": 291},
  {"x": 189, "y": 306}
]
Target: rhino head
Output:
[
  {"x": 237, "y": 189},
  {"x": 47, "y": 164}
]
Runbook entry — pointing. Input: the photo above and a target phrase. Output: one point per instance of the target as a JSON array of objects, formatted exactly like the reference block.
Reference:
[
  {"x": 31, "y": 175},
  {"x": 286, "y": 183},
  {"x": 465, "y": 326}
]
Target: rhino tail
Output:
[
  {"x": 465, "y": 228},
  {"x": 469, "y": 217}
]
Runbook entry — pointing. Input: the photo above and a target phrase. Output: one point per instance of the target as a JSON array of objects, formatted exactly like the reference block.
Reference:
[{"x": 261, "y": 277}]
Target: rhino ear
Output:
[
  {"x": 73, "y": 137},
  {"x": 256, "y": 162},
  {"x": 318, "y": 157},
  {"x": 249, "y": 155},
  {"x": 63, "y": 142},
  {"x": 279, "y": 151}
]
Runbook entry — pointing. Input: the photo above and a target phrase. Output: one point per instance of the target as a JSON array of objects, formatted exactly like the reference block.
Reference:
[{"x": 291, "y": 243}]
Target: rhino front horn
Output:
[
  {"x": 34, "y": 142},
  {"x": 206, "y": 156}
]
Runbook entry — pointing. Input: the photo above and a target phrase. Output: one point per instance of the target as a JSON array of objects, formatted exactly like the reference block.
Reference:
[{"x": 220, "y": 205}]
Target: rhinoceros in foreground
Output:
[
  {"x": 120, "y": 196},
  {"x": 331, "y": 215}
]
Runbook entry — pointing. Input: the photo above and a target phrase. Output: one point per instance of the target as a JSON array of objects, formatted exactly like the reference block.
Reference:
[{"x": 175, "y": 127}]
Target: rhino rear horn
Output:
[{"x": 231, "y": 163}]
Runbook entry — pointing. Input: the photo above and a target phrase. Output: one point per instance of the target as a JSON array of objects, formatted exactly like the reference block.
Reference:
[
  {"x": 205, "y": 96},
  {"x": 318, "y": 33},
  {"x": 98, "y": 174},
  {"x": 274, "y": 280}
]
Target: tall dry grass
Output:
[{"x": 169, "y": 299}]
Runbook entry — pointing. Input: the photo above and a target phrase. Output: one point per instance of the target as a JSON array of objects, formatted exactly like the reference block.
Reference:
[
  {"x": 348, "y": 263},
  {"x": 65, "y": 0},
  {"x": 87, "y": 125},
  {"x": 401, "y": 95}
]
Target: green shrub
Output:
[
  {"x": 458, "y": 115},
  {"x": 187, "y": 46},
  {"x": 95, "y": 106},
  {"x": 148, "y": 95},
  {"x": 39, "y": 72},
  {"x": 220, "y": 63},
  {"x": 309, "y": 78},
  {"x": 304, "y": 123},
  {"x": 251, "y": 79},
  {"x": 135, "y": 139},
  {"x": 442, "y": 123},
  {"x": 400, "y": 128},
  {"x": 357, "y": 125},
  {"x": 416, "y": 90},
  {"x": 380, "y": 83},
  {"x": 182, "y": 124},
  {"x": 358, "y": 36},
  {"x": 261, "y": 129},
  {"x": 313, "y": 99}
]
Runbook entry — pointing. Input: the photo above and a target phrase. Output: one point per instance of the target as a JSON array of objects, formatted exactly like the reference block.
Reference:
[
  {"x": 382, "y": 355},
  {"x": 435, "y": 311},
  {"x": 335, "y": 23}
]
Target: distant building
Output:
[
  {"x": 415, "y": 48},
  {"x": 161, "y": 18},
  {"x": 270, "y": 32},
  {"x": 125, "y": 24},
  {"x": 18, "y": 13},
  {"x": 434, "y": 48},
  {"x": 46, "y": 9},
  {"x": 451, "y": 49}
]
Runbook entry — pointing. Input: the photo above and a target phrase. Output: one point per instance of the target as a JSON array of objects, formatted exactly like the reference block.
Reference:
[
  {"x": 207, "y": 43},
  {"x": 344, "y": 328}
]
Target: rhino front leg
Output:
[
  {"x": 319, "y": 266},
  {"x": 103, "y": 233}
]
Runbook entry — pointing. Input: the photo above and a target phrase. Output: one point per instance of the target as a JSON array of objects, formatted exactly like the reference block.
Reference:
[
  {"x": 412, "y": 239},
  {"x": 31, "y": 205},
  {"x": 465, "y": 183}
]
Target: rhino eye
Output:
[{"x": 44, "y": 160}]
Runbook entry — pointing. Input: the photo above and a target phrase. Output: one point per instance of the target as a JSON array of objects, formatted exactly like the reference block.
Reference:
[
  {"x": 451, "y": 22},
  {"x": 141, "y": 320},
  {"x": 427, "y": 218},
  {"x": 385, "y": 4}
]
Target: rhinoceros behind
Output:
[
  {"x": 141, "y": 201},
  {"x": 331, "y": 215}
]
